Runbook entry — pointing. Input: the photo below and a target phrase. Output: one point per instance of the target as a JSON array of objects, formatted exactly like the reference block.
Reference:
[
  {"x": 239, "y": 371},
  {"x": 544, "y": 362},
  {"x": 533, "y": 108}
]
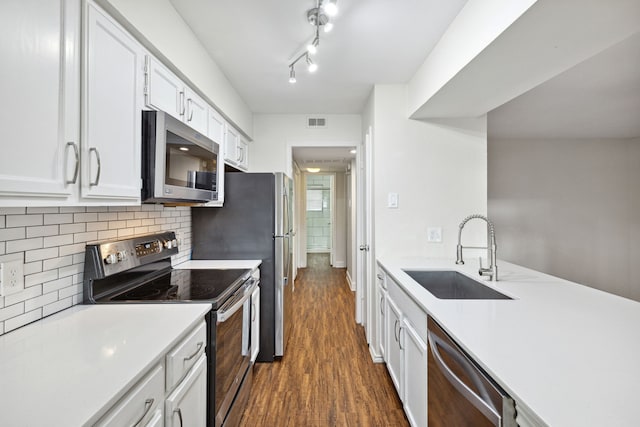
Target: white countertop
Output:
[
  {"x": 69, "y": 368},
  {"x": 219, "y": 264},
  {"x": 567, "y": 352}
]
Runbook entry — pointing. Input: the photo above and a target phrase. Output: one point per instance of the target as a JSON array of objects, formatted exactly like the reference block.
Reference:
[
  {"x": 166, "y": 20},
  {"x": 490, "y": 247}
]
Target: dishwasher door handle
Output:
[{"x": 480, "y": 404}]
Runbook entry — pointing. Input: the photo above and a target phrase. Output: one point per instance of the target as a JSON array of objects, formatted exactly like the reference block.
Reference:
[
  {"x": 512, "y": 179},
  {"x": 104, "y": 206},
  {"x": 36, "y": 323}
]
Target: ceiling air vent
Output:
[{"x": 316, "y": 122}]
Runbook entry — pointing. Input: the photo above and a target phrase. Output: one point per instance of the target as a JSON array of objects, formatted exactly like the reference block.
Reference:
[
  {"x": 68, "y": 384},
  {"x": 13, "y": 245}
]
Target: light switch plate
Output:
[
  {"x": 11, "y": 277},
  {"x": 392, "y": 201},
  {"x": 434, "y": 234}
]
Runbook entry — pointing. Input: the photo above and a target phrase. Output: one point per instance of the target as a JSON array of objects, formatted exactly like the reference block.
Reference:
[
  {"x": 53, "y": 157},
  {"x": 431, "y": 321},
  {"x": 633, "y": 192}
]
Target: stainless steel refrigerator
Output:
[{"x": 255, "y": 223}]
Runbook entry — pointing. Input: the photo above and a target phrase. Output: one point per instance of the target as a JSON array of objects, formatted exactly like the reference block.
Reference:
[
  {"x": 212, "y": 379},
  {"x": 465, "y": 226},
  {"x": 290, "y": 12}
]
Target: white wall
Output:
[
  {"x": 569, "y": 208},
  {"x": 275, "y": 134},
  {"x": 341, "y": 213},
  {"x": 168, "y": 36},
  {"x": 438, "y": 169}
]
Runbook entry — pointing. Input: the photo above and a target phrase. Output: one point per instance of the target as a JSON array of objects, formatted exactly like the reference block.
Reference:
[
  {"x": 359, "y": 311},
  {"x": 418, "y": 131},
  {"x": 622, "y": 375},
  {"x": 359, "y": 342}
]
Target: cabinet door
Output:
[
  {"x": 255, "y": 324},
  {"x": 230, "y": 146},
  {"x": 164, "y": 91},
  {"x": 196, "y": 111},
  {"x": 112, "y": 110},
  {"x": 382, "y": 335},
  {"x": 243, "y": 154},
  {"x": 414, "y": 351},
  {"x": 217, "y": 128},
  {"x": 40, "y": 89},
  {"x": 394, "y": 353},
  {"x": 187, "y": 405},
  {"x": 157, "y": 420}
]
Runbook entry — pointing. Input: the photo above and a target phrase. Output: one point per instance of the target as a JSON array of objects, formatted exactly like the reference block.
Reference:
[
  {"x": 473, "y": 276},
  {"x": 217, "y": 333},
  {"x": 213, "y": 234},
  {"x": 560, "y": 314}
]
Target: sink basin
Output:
[{"x": 453, "y": 285}]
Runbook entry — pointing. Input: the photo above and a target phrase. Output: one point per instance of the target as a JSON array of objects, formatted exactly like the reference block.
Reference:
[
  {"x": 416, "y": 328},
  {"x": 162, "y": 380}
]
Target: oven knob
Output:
[
  {"x": 171, "y": 244},
  {"x": 122, "y": 255},
  {"x": 111, "y": 259}
]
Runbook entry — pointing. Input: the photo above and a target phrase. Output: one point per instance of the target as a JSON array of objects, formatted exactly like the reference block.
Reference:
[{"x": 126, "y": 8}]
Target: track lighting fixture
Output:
[{"x": 317, "y": 16}]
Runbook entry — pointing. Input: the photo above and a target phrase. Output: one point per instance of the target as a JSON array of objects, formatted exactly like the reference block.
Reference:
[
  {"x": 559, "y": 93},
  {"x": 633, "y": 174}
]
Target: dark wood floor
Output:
[{"x": 326, "y": 377}]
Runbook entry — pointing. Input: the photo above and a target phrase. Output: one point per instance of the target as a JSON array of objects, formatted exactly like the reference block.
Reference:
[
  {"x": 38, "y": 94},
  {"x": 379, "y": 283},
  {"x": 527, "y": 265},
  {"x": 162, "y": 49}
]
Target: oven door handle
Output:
[{"x": 229, "y": 308}]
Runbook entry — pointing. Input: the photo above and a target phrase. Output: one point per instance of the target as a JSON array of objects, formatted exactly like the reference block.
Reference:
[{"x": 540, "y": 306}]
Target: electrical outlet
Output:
[
  {"x": 12, "y": 277},
  {"x": 434, "y": 234}
]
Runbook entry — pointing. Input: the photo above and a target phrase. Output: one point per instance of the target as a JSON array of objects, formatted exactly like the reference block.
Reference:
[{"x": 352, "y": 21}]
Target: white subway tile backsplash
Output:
[
  {"x": 80, "y": 227},
  {"x": 38, "y": 278},
  {"x": 12, "y": 211},
  {"x": 38, "y": 302},
  {"x": 85, "y": 217},
  {"x": 24, "y": 245},
  {"x": 58, "y": 306},
  {"x": 40, "y": 254},
  {"x": 63, "y": 239},
  {"x": 16, "y": 322},
  {"x": 32, "y": 292},
  {"x": 51, "y": 242},
  {"x": 44, "y": 230},
  {"x": 12, "y": 233},
  {"x": 55, "y": 285},
  {"x": 54, "y": 263},
  {"x": 36, "y": 210},
  {"x": 58, "y": 219},
  {"x": 10, "y": 311}
]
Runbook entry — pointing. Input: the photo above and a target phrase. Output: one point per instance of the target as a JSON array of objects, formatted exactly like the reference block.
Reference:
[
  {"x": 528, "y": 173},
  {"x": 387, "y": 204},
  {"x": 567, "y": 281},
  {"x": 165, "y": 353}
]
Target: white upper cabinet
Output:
[
  {"x": 113, "y": 79},
  {"x": 236, "y": 149},
  {"x": 217, "y": 127},
  {"x": 166, "y": 92},
  {"x": 40, "y": 88}
]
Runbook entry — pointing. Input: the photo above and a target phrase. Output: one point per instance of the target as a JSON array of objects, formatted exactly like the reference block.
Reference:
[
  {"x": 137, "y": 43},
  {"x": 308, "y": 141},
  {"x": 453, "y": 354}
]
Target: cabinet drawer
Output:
[
  {"x": 185, "y": 355},
  {"x": 411, "y": 310},
  {"x": 140, "y": 404}
]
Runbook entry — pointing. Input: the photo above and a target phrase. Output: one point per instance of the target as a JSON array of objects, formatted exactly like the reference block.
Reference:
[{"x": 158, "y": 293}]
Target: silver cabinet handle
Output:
[
  {"x": 76, "y": 169},
  {"x": 179, "y": 411},
  {"x": 486, "y": 407},
  {"x": 400, "y": 338},
  {"x": 395, "y": 331},
  {"x": 182, "y": 103},
  {"x": 190, "y": 109},
  {"x": 148, "y": 404},
  {"x": 379, "y": 276},
  {"x": 200, "y": 344},
  {"x": 382, "y": 305},
  {"x": 95, "y": 150}
]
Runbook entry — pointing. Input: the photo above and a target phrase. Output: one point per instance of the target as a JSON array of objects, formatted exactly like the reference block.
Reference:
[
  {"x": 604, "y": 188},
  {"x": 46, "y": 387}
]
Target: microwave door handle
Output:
[{"x": 480, "y": 404}]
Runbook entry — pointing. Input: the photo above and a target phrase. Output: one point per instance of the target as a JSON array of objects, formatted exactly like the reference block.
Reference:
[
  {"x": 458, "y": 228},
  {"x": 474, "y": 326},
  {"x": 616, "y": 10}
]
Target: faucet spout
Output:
[{"x": 492, "y": 270}]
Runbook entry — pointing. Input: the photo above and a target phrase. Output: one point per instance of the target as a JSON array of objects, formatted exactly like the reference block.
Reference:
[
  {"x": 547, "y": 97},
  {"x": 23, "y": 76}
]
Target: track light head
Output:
[
  {"x": 330, "y": 7},
  {"x": 313, "y": 67},
  {"x": 292, "y": 75}
]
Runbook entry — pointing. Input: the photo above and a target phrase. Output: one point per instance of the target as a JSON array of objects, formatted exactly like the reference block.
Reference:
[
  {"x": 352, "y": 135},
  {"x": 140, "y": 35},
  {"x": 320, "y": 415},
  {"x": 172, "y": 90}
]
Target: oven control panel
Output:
[{"x": 114, "y": 256}]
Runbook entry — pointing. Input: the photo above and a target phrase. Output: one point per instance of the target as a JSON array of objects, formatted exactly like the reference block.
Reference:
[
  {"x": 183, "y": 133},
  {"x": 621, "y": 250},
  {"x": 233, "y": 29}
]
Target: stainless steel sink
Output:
[{"x": 453, "y": 285}]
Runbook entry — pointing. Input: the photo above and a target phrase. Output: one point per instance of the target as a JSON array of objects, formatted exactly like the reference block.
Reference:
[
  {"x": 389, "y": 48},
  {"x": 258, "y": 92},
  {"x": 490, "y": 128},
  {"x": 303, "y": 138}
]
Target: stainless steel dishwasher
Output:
[{"x": 459, "y": 392}]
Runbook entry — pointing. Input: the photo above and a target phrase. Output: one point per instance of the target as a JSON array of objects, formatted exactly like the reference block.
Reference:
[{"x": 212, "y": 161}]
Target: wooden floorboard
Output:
[{"x": 327, "y": 377}]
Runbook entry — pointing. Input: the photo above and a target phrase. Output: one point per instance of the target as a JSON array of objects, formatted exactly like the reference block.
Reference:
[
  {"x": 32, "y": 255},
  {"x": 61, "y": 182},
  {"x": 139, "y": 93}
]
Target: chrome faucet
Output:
[{"x": 491, "y": 248}]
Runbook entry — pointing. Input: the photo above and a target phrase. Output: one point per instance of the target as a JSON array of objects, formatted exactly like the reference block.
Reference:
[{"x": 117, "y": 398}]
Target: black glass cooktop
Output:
[{"x": 212, "y": 286}]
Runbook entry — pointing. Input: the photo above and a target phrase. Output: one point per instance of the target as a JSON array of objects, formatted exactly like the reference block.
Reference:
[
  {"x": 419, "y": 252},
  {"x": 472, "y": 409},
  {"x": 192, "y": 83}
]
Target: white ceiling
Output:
[
  {"x": 598, "y": 98},
  {"x": 373, "y": 41},
  {"x": 328, "y": 159}
]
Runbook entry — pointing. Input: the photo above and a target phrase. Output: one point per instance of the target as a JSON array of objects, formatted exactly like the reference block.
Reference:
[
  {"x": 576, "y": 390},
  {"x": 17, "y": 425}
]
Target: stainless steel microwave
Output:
[{"x": 179, "y": 164}]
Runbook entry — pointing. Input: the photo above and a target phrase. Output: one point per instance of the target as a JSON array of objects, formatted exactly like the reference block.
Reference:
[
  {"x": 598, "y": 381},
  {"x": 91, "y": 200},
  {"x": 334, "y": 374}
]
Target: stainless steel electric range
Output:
[{"x": 138, "y": 270}]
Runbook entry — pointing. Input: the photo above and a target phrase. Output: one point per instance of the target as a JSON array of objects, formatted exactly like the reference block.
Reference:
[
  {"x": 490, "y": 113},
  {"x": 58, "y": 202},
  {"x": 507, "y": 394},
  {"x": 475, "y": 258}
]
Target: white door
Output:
[
  {"x": 40, "y": 88},
  {"x": 113, "y": 79},
  {"x": 365, "y": 264}
]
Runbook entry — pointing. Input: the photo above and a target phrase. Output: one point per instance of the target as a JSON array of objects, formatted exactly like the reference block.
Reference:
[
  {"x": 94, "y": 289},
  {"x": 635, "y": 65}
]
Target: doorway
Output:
[{"x": 319, "y": 215}]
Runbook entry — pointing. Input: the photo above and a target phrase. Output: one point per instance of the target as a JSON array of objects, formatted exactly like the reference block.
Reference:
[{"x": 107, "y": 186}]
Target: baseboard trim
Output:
[
  {"x": 377, "y": 358},
  {"x": 340, "y": 264},
  {"x": 352, "y": 284}
]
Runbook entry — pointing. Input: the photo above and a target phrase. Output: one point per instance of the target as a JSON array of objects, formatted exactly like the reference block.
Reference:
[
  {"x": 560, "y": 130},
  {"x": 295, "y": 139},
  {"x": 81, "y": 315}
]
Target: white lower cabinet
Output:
[
  {"x": 415, "y": 375},
  {"x": 394, "y": 351},
  {"x": 138, "y": 406},
  {"x": 405, "y": 352},
  {"x": 187, "y": 404}
]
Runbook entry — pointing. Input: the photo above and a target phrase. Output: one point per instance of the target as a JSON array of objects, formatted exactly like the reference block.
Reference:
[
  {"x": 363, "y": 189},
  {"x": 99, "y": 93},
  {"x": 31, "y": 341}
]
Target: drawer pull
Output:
[
  {"x": 148, "y": 404},
  {"x": 186, "y": 359},
  {"x": 179, "y": 411}
]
